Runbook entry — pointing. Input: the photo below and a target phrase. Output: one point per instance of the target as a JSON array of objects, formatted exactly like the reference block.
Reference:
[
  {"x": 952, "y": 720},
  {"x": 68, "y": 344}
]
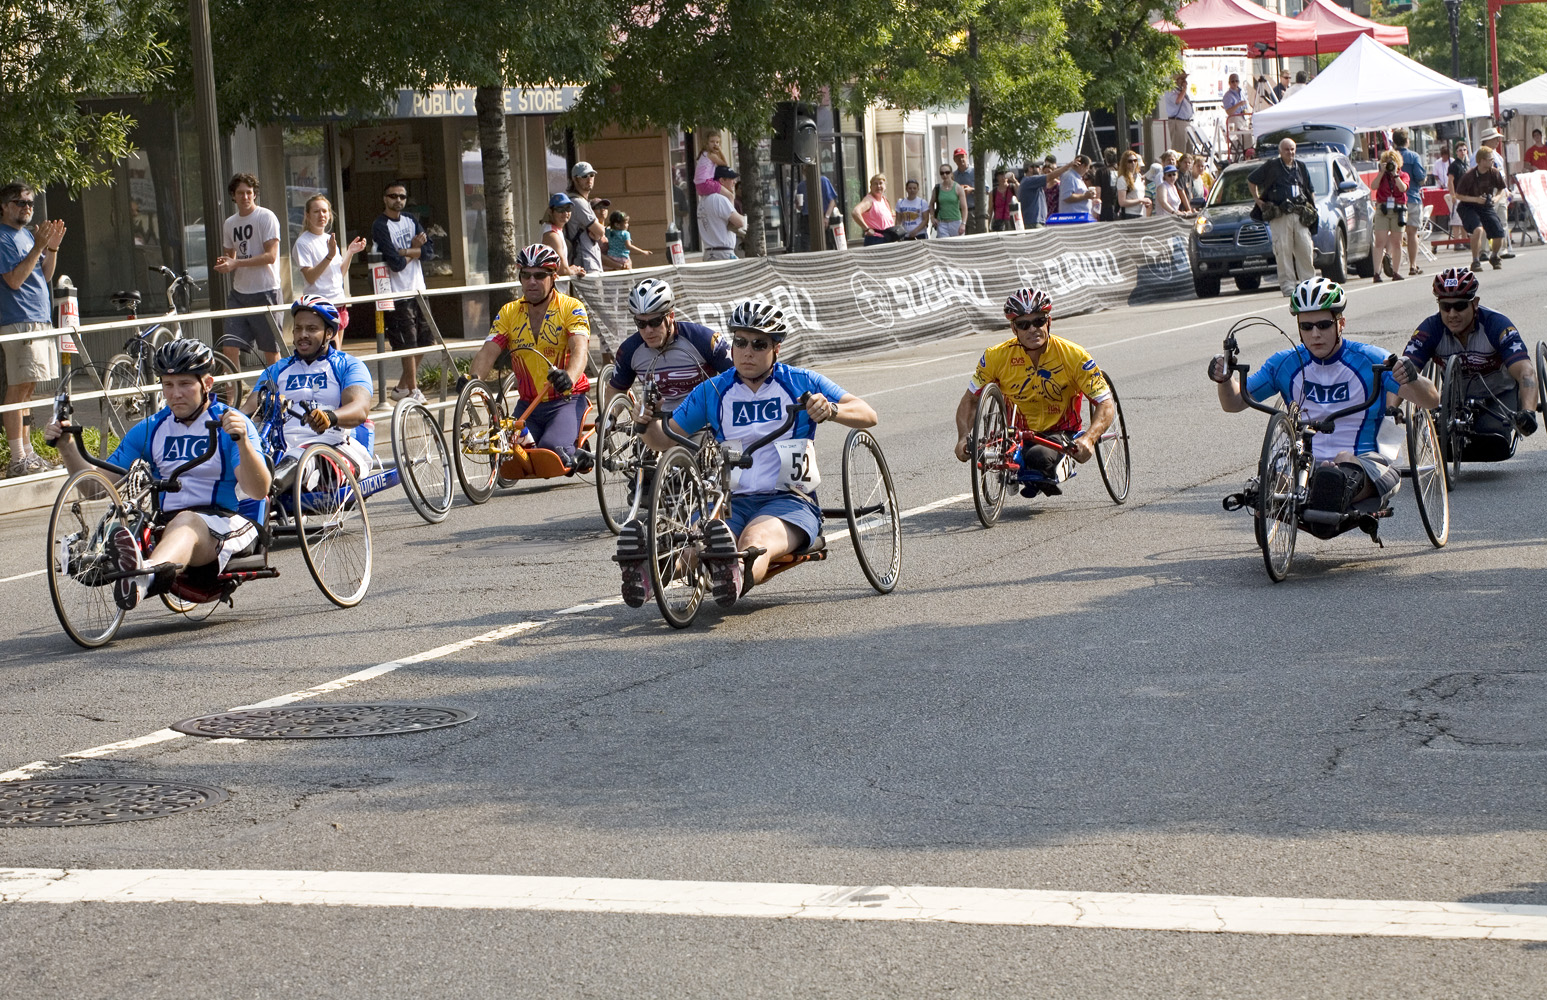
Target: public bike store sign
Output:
[{"x": 457, "y": 102}]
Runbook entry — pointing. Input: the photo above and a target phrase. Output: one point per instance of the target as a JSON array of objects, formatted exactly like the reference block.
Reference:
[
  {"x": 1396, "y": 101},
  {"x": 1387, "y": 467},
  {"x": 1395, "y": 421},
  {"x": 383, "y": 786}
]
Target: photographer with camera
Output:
[
  {"x": 1390, "y": 197},
  {"x": 1282, "y": 189}
]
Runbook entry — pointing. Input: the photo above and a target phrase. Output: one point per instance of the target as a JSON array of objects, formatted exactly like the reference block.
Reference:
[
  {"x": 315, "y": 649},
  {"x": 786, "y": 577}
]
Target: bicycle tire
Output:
[
  {"x": 876, "y": 535},
  {"x": 674, "y": 531},
  {"x": 988, "y": 454},
  {"x": 78, "y": 552},
  {"x": 1277, "y": 518},
  {"x": 617, "y": 462},
  {"x": 423, "y": 463},
  {"x": 332, "y": 525},
  {"x": 474, "y": 422},
  {"x": 1112, "y": 457},
  {"x": 1452, "y": 402},
  {"x": 1426, "y": 469},
  {"x": 230, "y": 393}
]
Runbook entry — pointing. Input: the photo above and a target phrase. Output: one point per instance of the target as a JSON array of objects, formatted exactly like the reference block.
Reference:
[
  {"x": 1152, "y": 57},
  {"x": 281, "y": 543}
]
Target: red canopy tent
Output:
[
  {"x": 1209, "y": 24},
  {"x": 1337, "y": 28}
]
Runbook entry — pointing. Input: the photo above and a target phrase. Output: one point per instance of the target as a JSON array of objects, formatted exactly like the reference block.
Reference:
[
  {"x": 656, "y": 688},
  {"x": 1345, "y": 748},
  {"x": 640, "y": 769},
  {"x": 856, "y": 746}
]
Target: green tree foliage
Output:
[
  {"x": 51, "y": 55},
  {"x": 1123, "y": 58},
  {"x": 1522, "y": 35}
]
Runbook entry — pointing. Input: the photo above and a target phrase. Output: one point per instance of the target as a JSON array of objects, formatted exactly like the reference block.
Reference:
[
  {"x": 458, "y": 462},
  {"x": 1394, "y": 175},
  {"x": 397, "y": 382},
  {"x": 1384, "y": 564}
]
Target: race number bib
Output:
[{"x": 797, "y": 465}]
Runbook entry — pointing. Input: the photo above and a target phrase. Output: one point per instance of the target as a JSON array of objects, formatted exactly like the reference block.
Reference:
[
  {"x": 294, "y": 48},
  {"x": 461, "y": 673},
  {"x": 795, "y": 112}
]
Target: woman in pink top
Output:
[{"x": 874, "y": 212}]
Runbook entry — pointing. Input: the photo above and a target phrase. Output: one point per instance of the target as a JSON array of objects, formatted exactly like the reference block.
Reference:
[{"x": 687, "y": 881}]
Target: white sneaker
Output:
[
  {"x": 418, "y": 396},
  {"x": 400, "y": 393}
]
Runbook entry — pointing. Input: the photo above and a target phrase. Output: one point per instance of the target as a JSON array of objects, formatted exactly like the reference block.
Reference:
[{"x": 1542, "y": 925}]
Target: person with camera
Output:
[
  {"x": 1390, "y": 198},
  {"x": 1282, "y": 189}
]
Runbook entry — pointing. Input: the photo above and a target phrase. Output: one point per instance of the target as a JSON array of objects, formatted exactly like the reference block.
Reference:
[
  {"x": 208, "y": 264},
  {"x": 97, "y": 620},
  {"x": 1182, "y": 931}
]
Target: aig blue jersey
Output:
[
  {"x": 321, "y": 381},
  {"x": 1326, "y": 385},
  {"x": 166, "y": 442}
]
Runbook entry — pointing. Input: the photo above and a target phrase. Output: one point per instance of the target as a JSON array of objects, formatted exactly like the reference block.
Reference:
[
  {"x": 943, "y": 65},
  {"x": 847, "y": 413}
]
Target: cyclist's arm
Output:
[
  {"x": 1420, "y": 392},
  {"x": 655, "y": 437},
  {"x": 252, "y": 472},
  {"x": 966, "y": 410},
  {"x": 579, "y": 354},
  {"x": 483, "y": 362},
  {"x": 850, "y": 410},
  {"x": 1525, "y": 378},
  {"x": 354, "y": 406},
  {"x": 1084, "y": 446}
]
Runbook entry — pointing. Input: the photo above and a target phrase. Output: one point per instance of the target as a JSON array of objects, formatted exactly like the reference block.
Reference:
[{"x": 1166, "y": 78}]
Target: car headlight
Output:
[{"x": 1203, "y": 225}]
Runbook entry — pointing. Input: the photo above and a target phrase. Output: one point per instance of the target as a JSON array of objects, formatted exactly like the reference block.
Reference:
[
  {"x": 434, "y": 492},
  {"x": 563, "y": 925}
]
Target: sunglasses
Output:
[
  {"x": 535, "y": 275},
  {"x": 1321, "y": 324},
  {"x": 646, "y": 322},
  {"x": 397, "y": 197},
  {"x": 742, "y": 343},
  {"x": 1454, "y": 306},
  {"x": 1030, "y": 323},
  {"x": 945, "y": 173},
  {"x": 23, "y": 202}
]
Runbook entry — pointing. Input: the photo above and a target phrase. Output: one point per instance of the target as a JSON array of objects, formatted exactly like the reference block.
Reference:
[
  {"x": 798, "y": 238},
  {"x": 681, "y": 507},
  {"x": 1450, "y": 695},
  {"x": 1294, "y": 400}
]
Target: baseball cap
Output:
[
  {"x": 725, "y": 173},
  {"x": 958, "y": 151},
  {"x": 560, "y": 200},
  {"x": 600, "y": 202},
  {"x": 581, "y": 169},
  {"x": 1168, "y": 169}
]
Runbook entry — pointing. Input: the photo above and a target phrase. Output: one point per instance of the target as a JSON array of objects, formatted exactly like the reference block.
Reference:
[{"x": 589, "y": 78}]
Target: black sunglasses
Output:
[
  {"x": 1453, "y": 306},
  {"x": 1320, "y": 324},
  {"x": 646, "y": 322},
  {"x": 1030, "y": 323},
  {"x": 397, "y": 197},
  {"x": 23, "y": 202},
  {"x": 535, "y": 275},
  {"x": 743, "y": 343}
]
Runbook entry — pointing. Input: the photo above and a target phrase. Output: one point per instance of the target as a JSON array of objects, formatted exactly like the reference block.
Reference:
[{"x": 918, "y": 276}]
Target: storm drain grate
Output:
[
  {"x": 310, "y": 722},
  {"x": 92, "y": 802}
]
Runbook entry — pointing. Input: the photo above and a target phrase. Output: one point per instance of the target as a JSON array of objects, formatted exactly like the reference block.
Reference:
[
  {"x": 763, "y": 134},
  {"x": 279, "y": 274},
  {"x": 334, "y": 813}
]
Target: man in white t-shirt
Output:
[
  {"x": 316, "y": 252},
  {"x": 403, "y": 244},
  {"x": 1075, "y": 197},
  {"x": 718, "y": 221},
  {"x": 250, "y": 242}
]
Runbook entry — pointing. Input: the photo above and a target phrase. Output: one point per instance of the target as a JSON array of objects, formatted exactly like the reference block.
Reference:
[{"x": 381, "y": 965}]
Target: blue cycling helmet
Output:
[{"x": 319, "y": 305}]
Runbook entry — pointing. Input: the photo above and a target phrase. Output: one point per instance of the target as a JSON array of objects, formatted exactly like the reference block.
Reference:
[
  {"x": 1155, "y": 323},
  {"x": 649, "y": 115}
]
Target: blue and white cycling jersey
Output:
[
  {"x": 1324, "y": 386},
  {"x": 1492, "y": 343},
  {"x": 166, "y": 442},
  {"x": 730, "y": 408},
  {"x": 323, "y": 382}
]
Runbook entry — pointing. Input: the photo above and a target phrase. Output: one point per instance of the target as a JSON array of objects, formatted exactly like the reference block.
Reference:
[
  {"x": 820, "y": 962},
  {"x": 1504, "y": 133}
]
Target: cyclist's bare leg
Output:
[
  {"x": 777, "y": 538},
  {"x": 185, "y": 542}
]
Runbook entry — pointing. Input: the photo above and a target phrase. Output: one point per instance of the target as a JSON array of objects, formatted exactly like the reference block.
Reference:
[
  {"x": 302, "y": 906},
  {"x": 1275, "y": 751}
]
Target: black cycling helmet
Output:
[
  {"x": 1455, "y": 283},
  {"x": 185, "y": 356}
]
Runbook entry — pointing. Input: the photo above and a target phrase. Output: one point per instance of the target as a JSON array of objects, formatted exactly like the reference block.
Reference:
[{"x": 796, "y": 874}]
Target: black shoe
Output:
[
  {"x": 584, "y": 461},
  {"x": 1052, "y": 489},
  {"x": 1331, "y": 490},
  {"x": 126, "y": 592},
  {"x": 723, "y": 562},
  {"x": 633, "y": 559}
]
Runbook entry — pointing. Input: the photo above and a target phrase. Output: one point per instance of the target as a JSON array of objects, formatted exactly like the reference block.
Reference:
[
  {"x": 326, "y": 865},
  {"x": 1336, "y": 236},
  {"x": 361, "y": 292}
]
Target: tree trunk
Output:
[
  {"x": 499, "y": 214},
  {"x": 1122, "y": 126},
  {"x": 750, "y": 188}
]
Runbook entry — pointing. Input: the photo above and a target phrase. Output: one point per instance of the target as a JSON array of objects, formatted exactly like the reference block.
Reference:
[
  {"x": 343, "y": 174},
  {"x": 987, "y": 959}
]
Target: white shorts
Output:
[
  {"x": 947, "y": 229},
  {"x": 234, "y": 535}
]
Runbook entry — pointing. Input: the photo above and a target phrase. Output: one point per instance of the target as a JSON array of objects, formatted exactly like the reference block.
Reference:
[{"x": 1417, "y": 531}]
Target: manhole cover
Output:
[
  {"x": 90, "y": 802},
  {"x": 307, "y": 722}
]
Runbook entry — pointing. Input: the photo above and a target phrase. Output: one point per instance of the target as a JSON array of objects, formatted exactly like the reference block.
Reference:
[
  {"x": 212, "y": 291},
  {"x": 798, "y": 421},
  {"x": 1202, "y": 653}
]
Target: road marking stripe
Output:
[
  {"x": 781, "y": 901},
  {"x": 24, "y": 576}
]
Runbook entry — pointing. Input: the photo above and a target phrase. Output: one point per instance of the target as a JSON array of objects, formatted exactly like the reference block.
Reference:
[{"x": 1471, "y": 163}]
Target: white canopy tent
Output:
[
  {"x": 1372, "y": 87},
  {"x": 1530, "y": 98}
]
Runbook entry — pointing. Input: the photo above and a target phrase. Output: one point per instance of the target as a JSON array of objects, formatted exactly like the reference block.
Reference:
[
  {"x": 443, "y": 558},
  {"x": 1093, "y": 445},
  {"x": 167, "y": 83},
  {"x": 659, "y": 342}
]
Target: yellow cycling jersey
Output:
[
  {"x": 566, "y": 317},
  {"x": 1047, "y": 394}
]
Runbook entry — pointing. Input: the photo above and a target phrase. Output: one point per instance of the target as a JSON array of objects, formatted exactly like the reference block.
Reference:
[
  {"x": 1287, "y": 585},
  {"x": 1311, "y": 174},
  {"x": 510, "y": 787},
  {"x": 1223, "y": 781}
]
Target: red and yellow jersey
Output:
[
  {"x": 1048, "y": 393},
  {"x": 566, "y": 317}
]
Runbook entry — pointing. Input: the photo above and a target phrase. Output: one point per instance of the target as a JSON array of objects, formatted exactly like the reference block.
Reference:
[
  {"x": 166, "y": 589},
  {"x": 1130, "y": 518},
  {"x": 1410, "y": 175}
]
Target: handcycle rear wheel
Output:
[
  {"x": 231, "y": 392},
  {"x": 1541, "y": 375},
  {"x": 1112, "y": 449},
  {"x": 616, "y": 470},
  {"x": 80, "y": 553},
  {"x": 870, "y": 501},
  {"x": 1277, "y": 515},
  {"x": 423, "y": 465},
  {"x": 988, "y": 450},
  {"x": 679, "y": 508},
  {"x": 475, "y": 423},
  {"x": 1426, "y": 468},
  {"x": 1452, "y": 404},
  {"x": 332, "y": 525}
]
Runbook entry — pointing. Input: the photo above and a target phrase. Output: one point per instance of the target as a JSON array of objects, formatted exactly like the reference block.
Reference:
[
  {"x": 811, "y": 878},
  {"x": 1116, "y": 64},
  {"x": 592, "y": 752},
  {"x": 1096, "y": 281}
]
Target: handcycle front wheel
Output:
[
  {"x": 423, "y": 464},
  {"x": 1277, "y": 517},
  {"x": 988, "y": 451},
  {"x": 1112, "y": 450},
  {"x": 1426, "y": 468},
  {"x": 616, "y": 466},
  {"x": 1541, "y": 376},
  {"x": 870, "y": 501},
  {"x": 81, "y": 558},
  {"x": 475, "y": 423},
  {"x": 674, "y": 532},
  {"x": 332, "y": 524},
  {"x": 1452, "y": 405}
]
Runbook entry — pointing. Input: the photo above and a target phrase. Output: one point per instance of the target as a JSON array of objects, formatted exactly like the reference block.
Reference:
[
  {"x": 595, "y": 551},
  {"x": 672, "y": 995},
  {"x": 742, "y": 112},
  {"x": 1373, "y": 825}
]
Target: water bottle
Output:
[{"x": 674, "y": 243}]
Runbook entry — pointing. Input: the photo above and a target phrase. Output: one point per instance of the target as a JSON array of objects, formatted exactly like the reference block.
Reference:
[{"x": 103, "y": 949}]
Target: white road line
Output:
[
  {"x": 784, "y": 901},
  {"x": 24, "y": 576}
]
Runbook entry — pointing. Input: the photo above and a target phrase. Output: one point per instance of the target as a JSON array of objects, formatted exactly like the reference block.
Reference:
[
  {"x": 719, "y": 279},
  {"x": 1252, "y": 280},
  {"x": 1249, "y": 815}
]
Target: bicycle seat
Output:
[{"x": 126, "y": 299}]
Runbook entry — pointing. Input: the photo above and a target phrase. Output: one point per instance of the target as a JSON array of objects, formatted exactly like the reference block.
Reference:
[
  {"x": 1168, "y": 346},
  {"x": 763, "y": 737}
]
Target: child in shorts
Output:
[{"x": 619, "y": 243}]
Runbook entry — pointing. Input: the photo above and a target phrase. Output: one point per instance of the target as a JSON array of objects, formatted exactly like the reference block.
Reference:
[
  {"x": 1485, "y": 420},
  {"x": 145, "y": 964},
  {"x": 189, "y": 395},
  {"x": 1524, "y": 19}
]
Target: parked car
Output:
[{"x": 1227, "y": 243}]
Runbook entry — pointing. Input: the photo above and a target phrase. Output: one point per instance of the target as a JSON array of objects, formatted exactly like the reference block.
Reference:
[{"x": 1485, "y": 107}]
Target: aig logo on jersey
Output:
[
  {"x": 306, "y": 380},
  {"x": 1335, "y": 393},
  {"x": 757, "y": 412},
  {"x": 181, "y": 449}
]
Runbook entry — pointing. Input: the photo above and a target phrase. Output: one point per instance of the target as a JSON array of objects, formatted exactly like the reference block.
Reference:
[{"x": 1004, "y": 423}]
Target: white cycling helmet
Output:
[
  {"x": 1316, "y": 294},
  {"x": 759, "y": 317},
  {"x": 650, "y": 297}
]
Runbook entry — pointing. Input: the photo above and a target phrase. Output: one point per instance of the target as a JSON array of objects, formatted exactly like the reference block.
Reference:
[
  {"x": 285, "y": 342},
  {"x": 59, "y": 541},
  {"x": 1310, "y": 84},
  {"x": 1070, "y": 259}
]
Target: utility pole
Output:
[
  {"x": 1453, "y": 10},
  {"x": 210, "y": 167}
]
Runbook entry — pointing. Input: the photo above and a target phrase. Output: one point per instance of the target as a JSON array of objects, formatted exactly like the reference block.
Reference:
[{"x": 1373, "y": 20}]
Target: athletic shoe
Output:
[
  {"x": 401, "y": 393},
  {"x": 1506, "y": 255},
  {"x": 418, "y": 396},
  {"x": 1385, "y": 265},
  {"x": 29, "y": 465},
  {"x": 723, "y": 561},
  {"x": 1494, "y": 260},
  {"x": 633, "y": 559},
  {"x": 1332, "y": 489},
  {"x": 126, "y": 589},
  {"x": 1476, "y": 264}
]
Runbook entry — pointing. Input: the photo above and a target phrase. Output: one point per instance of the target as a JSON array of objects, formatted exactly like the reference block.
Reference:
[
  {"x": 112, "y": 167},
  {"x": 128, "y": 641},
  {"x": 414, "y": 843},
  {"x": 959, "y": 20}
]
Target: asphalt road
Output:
[{"x": 1087, "y": 697}]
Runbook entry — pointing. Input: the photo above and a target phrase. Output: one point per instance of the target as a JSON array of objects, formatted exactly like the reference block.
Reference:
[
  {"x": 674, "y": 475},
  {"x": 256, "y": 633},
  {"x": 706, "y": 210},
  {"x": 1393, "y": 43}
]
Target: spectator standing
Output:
[
  {"x": 553, "y": 222},
  {"x": 404, "y": 245},
  {"x": 874, "y": 214},
  {"x": 1177, "y": 111},
  {"x": 1196, "y": 178},
  {"x": 28, "y": 256},
  {"x": 829, "y": 204},
  {"x": 1282, "y": 88},
  {"x": 1106, "y": 184},
  {"x": 1075, "y": 196},
  {"x": 1171, "y": 199},
  {"x": 1132, "y": 202},
  {"x": 1297, "y": 86},
  {"x": 1536, "y": 153},
  {"x": 1391, "y": 208},
  {"x": 317, "y": 255},
  {"x": 251, "y": 256},
  {"x": 948, "y": 203},
  {"x": 1238, "y": 114},
  {"x": 913, "y": 213},
  {"x": 1476, "y": 193},
  {"x": 1413, "y": 167},
  {"x": 1460, "y": 163},
  {"x": 1282, "y": 189},
  {"x": 963, "y": 173},
  {"x": 585, "y": 232},
  {"x": 1049, "y": 162},
  {"x": 1494, "y": 139},
  {"x": 718, "y": 221},
  {"x": 1004, "y": 202},
  {"x": 620, "y": 242},
  {"x": 703, "y": 169}
]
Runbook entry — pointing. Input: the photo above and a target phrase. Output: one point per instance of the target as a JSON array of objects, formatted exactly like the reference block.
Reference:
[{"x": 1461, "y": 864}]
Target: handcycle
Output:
[
  {"x": 323, "y": 504},
  {"x": 492, "y": 446},
  {"x": 1466, "y": 397},
  {"x": 692, "y": 486},
  {"x": 129, "y": 378},
  {"x": 1277, "y": 495},
  {"x": 999, "y": 433}
]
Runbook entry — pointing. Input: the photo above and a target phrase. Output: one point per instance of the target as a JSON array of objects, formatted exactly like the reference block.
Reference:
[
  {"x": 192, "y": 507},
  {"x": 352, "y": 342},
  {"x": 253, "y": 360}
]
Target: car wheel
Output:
[
  {"x": 1206, "y": 287},
  {"x": 1248, "y": 282},
  {"x": 1338, "y": 269}
]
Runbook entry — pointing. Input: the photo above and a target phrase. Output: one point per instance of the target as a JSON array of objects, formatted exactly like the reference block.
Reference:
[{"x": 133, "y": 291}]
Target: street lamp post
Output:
[{"x": 1453, "y": 8}]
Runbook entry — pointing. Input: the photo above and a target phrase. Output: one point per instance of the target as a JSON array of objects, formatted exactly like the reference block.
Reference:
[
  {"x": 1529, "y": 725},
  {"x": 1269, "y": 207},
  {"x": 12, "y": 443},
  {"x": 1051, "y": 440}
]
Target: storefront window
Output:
[
  {"x": 560, "y": 152},
  {"x": 474, "y": 215},
  {"x": 308, "y": 172},
  {"x": 684, "y": 198}
]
